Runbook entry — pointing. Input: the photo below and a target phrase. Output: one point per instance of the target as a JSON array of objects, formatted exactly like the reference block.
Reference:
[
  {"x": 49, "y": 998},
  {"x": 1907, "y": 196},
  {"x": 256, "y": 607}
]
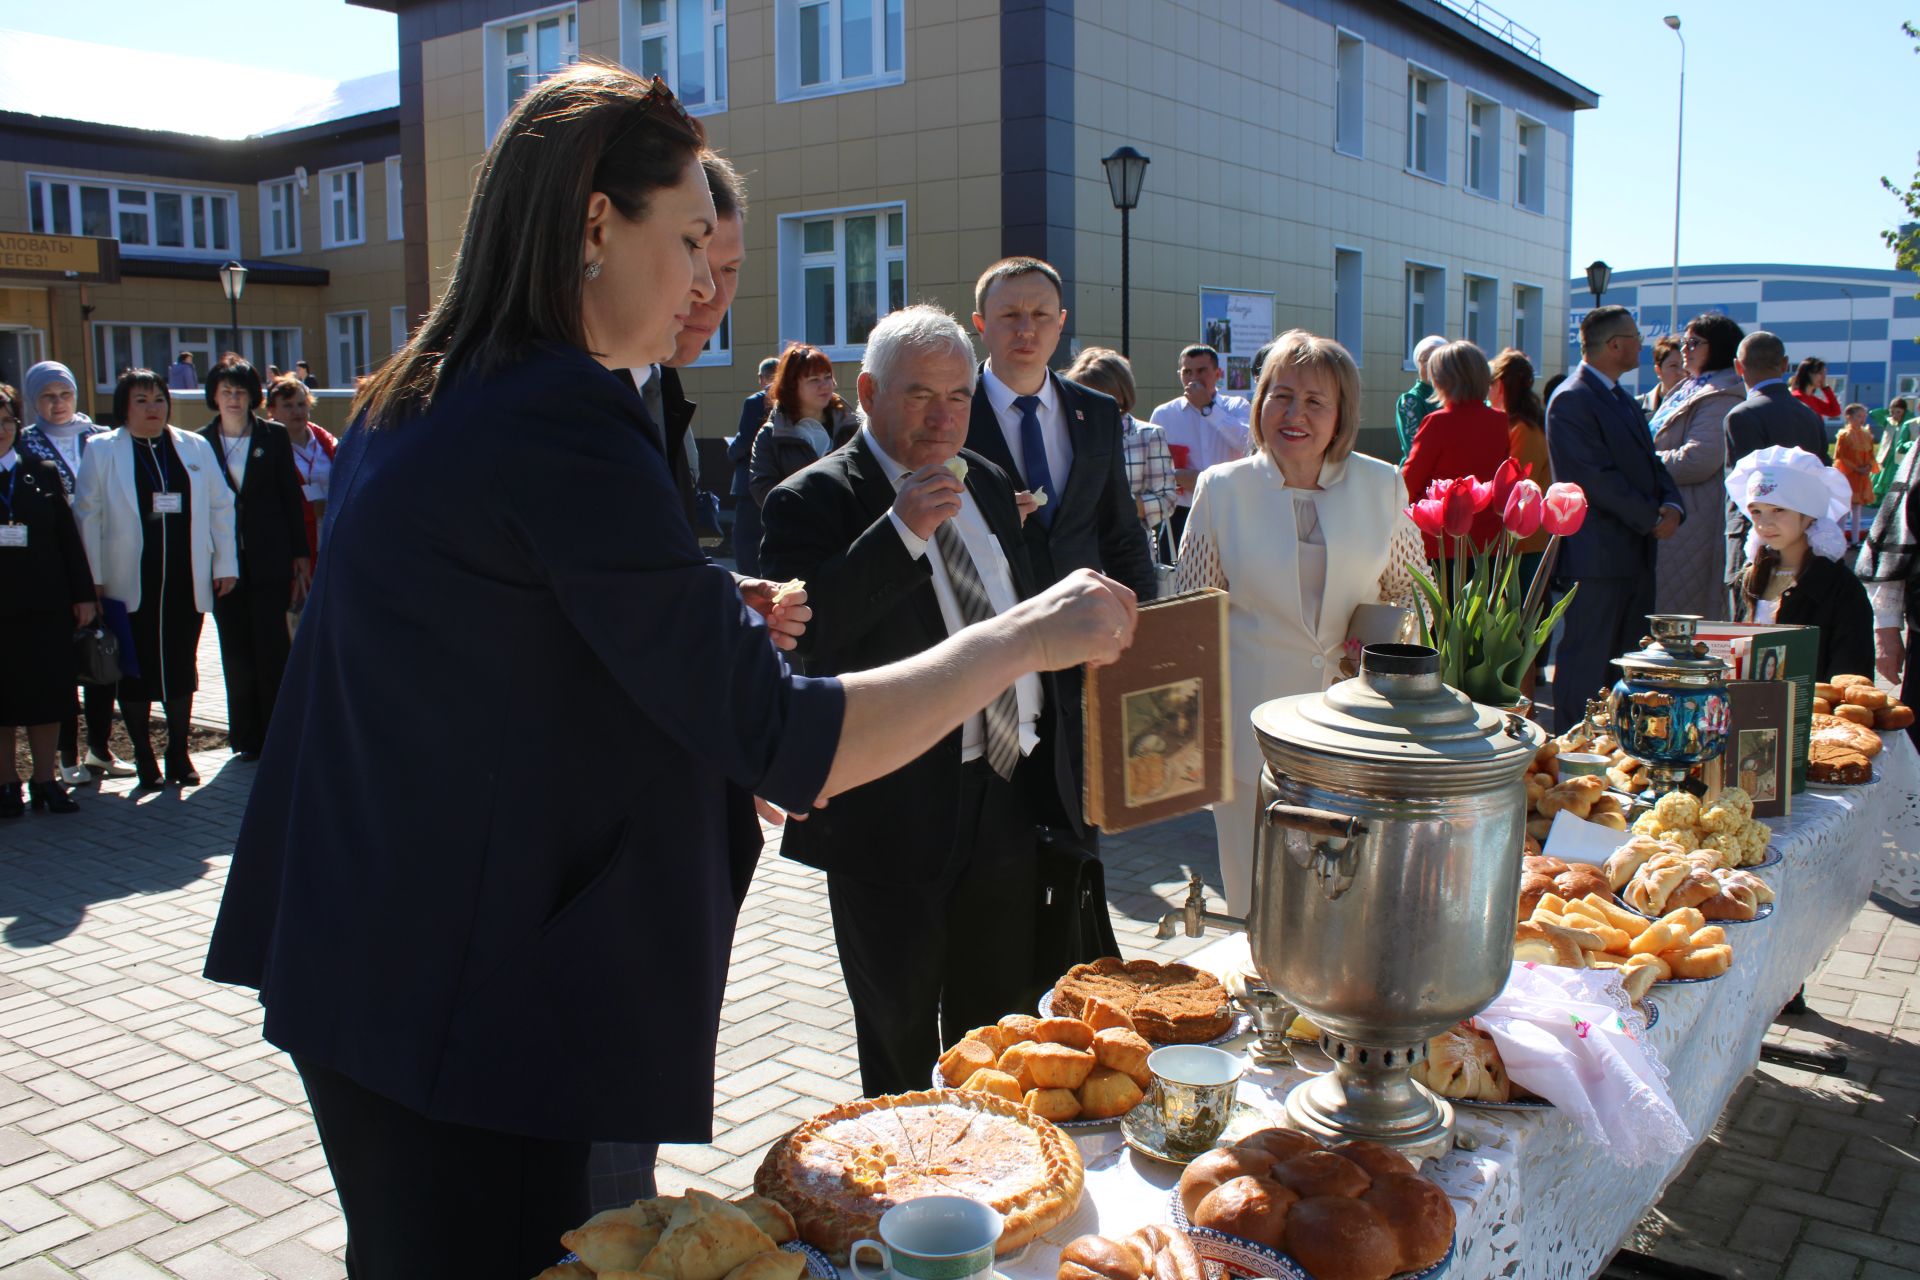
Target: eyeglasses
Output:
[{"x": 1689, "y": 344}]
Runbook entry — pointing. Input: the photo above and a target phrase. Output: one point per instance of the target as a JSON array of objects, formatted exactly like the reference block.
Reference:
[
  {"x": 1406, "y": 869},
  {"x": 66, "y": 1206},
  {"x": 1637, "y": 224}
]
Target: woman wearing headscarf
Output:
[
  {"x": 58, "y": 433},
  {"x": 157, "y": 522},
  {"x": 1689, "y": 435},
  {"x": 46, "y": 590},
  {"x": 808, "y": 421},
  {"x": 1796, "y": 575},
  {"x": 1887, "y": 564}
]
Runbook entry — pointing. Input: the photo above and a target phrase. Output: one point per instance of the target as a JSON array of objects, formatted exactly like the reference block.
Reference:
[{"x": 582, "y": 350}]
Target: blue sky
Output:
[{"x": 1793, "y": 111}]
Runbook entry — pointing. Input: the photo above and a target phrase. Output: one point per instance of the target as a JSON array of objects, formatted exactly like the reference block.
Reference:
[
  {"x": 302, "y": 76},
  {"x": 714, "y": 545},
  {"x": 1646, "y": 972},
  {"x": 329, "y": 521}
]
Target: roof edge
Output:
[
  {"x": 367, "y": 122},
  {"x": 1438, "y": 15}
]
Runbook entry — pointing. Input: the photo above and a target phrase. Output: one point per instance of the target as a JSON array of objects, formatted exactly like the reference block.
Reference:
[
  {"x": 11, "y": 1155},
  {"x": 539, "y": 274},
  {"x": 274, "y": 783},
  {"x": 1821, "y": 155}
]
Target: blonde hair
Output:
[
  {"x": 1459, "y": 372},
  {"x": 1105, "y": 370},
  {"x": 1298, "y": 349}
]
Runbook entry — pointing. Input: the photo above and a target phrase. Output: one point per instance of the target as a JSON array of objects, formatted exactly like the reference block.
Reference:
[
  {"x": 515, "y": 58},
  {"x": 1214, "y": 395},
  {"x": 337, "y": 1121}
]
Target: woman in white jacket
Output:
[
  {"x": 157, "y": 522},
  {"x": 1299, "y": 535}
]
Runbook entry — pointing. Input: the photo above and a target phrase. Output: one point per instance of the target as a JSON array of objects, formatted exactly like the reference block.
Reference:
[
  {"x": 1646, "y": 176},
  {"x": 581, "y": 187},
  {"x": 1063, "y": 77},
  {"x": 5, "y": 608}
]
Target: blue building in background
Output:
[{"x": 1864, "y": 322}]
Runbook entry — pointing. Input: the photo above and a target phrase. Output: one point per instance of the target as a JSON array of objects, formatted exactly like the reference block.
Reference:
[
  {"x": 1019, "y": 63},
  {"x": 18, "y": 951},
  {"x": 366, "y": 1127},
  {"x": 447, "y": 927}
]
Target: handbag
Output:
[
  {"x": 96, "y": 654},
  {"x": 706, "y": 518},
  {"x": 1071, "y": 923}
]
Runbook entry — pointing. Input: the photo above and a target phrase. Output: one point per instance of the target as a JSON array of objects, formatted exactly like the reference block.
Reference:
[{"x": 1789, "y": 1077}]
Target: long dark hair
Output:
[
  {"x": 1514, "y": 372},
  {"x": 517, "y": 278},
  {"x": 1722, "y": 334},
  {"x": 1809, "y": 368}
]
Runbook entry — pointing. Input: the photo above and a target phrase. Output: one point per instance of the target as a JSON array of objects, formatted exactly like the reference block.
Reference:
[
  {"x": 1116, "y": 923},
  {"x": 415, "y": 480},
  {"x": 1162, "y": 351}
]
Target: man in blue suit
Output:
[{"x": 1597, "y": 438}]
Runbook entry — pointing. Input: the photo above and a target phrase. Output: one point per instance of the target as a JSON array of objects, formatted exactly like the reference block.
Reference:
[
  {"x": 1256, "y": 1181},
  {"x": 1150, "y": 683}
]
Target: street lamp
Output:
[
  {"x": 233, "y": 279},
  {"x": 1126, "y": 169},
  {"x": 1598, "y": 273},
  {"x": 1849, "y": 294},
  {"x": 1679, "y": 136}
]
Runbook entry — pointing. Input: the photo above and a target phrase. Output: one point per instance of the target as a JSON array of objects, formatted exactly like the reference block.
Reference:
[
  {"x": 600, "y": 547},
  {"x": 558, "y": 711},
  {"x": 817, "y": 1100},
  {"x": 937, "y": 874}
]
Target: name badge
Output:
[
  {"x": 314, "y": 492},
  {"x": 166, "y": 504},
  {"x": 13, "y": 535}
]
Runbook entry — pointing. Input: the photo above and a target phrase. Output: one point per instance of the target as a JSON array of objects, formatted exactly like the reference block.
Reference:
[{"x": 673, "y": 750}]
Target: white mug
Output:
[{"x": 933, "y": 1238}]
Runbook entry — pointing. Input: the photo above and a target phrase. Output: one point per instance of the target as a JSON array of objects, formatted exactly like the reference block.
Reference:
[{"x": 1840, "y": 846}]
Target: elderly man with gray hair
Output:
[
  {"x": 1418, "y": 400},
  {"x": 1770, "y": 415},
  {"x": 904, "y": 538}
]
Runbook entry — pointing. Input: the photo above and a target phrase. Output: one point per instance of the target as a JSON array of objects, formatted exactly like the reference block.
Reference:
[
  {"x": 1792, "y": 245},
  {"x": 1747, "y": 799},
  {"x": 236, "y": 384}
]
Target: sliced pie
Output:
[{"x": 1169, "y": 1003}]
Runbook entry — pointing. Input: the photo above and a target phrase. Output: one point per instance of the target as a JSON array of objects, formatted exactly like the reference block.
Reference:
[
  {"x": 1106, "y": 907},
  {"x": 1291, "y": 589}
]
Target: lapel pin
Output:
[
  {"x": 1078, "y": 416},
  {"x": 259, "y": 453}
]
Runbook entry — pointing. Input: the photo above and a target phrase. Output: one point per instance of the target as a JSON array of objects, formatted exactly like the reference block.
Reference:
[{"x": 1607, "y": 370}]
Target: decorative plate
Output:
[
  {"x": 1243, "y": 1258},
  {"x": 1514, "y": 1104},
  {"x": 1765, "y": 909},
  {"x": 1846, "y": 786},
  {"x": 1652, "y": 1010},
  {"x": 1238, "y": 1027},
  {"x": 1141, "y": 1129},
  {"x": 819, "y": 1266},
  {"x": 1689, "y": 982},
  {"x": 1773, "y": 858},
  {"x": 940, "y": 1083}
]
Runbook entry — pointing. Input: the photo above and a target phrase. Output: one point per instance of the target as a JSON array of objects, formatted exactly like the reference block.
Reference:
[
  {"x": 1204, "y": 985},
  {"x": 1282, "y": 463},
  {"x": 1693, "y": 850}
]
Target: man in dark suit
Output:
[
  {"x": 930, "y": 870},
  {"x": 1052, "y": 435},
  {"x": 746, "y": 512},
  {"x": 1597, "y": 439},
  {"x": 1770, "y": 415}
]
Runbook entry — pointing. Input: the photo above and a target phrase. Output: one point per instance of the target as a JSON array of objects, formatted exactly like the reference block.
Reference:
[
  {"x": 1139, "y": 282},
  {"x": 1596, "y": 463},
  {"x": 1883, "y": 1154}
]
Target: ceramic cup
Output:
[
  {"x": 932, "y": 1238},
  {"x": 1193, "y": 1092},
  {"x": 1580, "y": 764}
]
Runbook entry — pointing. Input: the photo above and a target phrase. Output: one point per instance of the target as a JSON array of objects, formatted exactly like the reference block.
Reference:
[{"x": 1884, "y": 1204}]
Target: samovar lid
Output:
[
  {"x": 1672, "y": 651},
  {"x": 1399, "y": 727}
]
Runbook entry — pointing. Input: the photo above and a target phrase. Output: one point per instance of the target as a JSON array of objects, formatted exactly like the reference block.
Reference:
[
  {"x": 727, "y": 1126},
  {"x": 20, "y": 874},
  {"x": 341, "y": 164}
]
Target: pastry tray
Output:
[
  {"x": 1109, "y": 1122},
  {"x": 1241, "y": 1024}
]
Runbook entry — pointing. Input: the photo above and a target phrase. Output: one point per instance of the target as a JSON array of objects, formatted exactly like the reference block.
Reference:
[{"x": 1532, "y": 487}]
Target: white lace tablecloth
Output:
[{"x": 1536, "y": 1201}]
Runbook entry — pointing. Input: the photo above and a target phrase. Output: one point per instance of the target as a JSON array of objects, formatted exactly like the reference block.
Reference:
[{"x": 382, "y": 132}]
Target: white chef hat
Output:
[{"x": 1798, "y": 481}]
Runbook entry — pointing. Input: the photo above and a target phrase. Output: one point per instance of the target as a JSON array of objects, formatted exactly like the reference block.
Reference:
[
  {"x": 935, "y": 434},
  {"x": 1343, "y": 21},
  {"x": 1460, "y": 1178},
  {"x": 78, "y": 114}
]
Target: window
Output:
[
  {"x": 1905, "y": 384},
  {"x": 1349, "y": 325},
  {"x": 522, "y": 51},
  {"x": 719, "y": 348},
  {"x": 397, "y": 318},
  {"x": 117, "y": 347},
  {"x": 1350, "y": 94},
  {"x": 396, "y": 210},
  {"x": 1426, "y": 123},
  {"x": 840, "y": 271},
  {"x": 838, "y": 46},
  {"x": 1480, "y": 321},
  {"x": 1528, "y": 318},
  {"x": 19, "y": 351},
  {"x": 1530, "y": 167},
  {"x": 346, "y": 347},
  {"x": 343, "y": 206},
  {"x": 684, "y": 42},
  {"x": 1483, "y": 147},
  {"x": 158, "y": 222},
  {"x": 1426, "y": 303},
  {"x": 280, "y": 216}
]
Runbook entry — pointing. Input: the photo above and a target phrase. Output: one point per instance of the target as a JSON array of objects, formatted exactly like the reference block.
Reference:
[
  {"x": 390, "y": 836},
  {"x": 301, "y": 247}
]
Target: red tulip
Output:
[
  {"x": 1511, "y": 472},
  {"x": 1525, "y": 509},
  {"x": 1427, "y": 516},
  {"x": 1458, "y": 507},
  {"x": 1566, "y": 509}
]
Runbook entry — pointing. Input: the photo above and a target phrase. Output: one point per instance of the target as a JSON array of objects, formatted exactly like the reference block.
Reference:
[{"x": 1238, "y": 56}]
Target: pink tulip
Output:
[
  {"x": 1426, "y": 515},
  {"x": 1458, "y": 509},
  {"x": 1566, "y": 509},
  {"x": 1525, "y": 509},
  {"x": 1511, "y": 472}
]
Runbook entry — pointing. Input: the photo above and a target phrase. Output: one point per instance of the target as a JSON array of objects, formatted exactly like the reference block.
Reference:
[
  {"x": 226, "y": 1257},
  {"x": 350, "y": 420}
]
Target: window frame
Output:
[
  {"x": 397, "y": 324},
  {"x": 107, "y": 363},
  {"x": 1489, "y": 310},
  {"x": 1356, "y": 348},
  {"x": 268, "y": 187},
  {"x": 396, "y": 200},
  {"x": 329, "y": 200},
  {"x": 714, "y": 49},
  {"x": 1439, "y": 116},
  {"x": 1491, "y": 135},
  {"x": 793, "y": 262},
  {"x": 718, "y": 352},
  {"x": 494, "y": 58},
  {"x": 786, "y": 35},
  {"x": 1523, "y": 125},
  {"x": 1349, "y": 141},
  {"x": 1429, "y": 296},
  {"x": 42, "y": 220},
  {"x": 1536, "y": 314},
  {"x": 366, "y": 352}
]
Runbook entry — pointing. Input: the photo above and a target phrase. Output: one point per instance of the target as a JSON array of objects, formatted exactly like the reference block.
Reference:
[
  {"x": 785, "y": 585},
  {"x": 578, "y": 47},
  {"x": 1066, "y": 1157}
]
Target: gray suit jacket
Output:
[{"x": 1767, "y": 417}]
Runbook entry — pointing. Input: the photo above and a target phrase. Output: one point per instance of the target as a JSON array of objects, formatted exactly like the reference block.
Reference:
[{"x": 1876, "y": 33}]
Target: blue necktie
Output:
[{"x": 1033, "y": 452}]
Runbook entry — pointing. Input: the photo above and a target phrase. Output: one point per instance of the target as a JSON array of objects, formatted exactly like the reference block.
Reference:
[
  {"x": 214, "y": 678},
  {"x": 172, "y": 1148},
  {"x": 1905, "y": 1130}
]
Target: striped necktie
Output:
[{"x": 1003, "y": 713}]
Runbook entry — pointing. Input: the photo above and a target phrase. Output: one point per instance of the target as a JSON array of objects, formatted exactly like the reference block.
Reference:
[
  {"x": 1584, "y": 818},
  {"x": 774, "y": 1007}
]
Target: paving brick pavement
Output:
[{"x": 147, "y": 1131}]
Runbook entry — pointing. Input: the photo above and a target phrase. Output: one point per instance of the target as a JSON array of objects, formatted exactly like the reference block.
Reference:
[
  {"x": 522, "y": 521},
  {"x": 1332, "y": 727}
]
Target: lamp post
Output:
[
  {"x": 233, "y": 279},
  {"x": 1126, "y": 169},
  {"x": 1598, "y": 273},
  {"x": 1849, "y": 293},
  {"x": 1679, "y": 137}
]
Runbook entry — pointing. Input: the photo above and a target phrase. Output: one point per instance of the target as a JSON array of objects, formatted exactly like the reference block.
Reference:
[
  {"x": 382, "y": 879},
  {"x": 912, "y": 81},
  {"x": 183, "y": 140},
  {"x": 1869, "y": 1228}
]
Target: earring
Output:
[{"x": 593, "y": 271}]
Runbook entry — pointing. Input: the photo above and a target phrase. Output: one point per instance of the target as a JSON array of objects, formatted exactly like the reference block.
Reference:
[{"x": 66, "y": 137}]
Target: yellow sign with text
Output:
[{"x": 25, "y": 255}]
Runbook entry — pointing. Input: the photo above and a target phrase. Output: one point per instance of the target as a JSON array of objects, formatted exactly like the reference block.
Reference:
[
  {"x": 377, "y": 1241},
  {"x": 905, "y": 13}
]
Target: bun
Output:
[
  {"x": 1280, "y": 1144},
  {"x": 1015, "y": 1063},
  {"x": 1581, "y": 881},
  {"x": 1215, "y": 1167},
  {"x": 1865, "y": 695},
  {"x": 1419, "y": 1215},
  {"x": 1897, "y": 716},
  {"x": 1070, "y": 1032},
  {"x": 1251, "y": 1208},
  {"x": 1119, "y": 1049},
  {"x": 1849, "y": 682},
  {"x": 997, "y": 1038},
  {"x": 990, "y": 1080},
  {"x": 1021, "y": 1025},
  {"x": 1378, "y": 1161},
  {"x": 1534, "y": 885},
  {"x": 1828, "y": 692},
  {"x": 1855, "y": 713},
  {"x": 1097, "y": 1258},
  {"x": 1538, "y": 943},
  {"x": 1321, "y": 1173},
  {"x": 1108, "y": 1093},
  {"x": 1336, "y": 1238},
  {"x": 1057, "y": 1105},
  {"x": 958, "y": 1064},
  {"x": 1101, "y": 1014},
  {"x": 1056, "y": 1066}
]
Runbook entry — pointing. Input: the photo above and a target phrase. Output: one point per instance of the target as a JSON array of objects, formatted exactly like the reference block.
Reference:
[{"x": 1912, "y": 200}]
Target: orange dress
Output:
[{"x": 1853, "y": 458}]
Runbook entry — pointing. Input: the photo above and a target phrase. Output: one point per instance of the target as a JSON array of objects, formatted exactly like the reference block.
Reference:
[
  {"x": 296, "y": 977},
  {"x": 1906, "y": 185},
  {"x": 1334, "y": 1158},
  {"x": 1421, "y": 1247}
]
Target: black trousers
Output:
[
  {"x": 1607, "y": 618},
  {"x": 925, "y": 964},
  {"x": 428, "y": 1198},
  {"x": 253, "y": 655},
  {"x": 98, "y": 699},
  {"x": 1173, "y": 530}
]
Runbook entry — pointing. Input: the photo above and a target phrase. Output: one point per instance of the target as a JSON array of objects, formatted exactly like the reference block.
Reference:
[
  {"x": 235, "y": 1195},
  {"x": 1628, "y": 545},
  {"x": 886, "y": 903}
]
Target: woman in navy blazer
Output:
[{"x": 481, "y": 968}]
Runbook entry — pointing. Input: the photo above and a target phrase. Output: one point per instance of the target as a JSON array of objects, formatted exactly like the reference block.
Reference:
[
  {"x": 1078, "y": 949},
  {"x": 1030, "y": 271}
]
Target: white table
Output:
[{"x": 1537, "y": 1200}]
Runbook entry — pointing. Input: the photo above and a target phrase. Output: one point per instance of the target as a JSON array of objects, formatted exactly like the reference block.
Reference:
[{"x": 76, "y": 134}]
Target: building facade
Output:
[
  {"x": 1370, "y": 169},
  {"x": 1864, "y": 322}
]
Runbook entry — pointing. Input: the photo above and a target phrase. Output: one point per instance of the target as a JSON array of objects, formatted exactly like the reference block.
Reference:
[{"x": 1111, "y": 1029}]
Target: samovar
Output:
[
  {"x": 1670, "y": 708},
  {"x": 1386, "y": 873}
]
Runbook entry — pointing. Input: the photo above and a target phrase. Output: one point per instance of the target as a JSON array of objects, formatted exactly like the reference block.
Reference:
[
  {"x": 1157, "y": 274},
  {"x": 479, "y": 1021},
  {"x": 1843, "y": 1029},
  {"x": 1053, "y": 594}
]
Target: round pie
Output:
[
  {"x": 1169, "y": 1003},
  {"x": 841, "y": 1170},
  {"x": 1835, "y": 731}
]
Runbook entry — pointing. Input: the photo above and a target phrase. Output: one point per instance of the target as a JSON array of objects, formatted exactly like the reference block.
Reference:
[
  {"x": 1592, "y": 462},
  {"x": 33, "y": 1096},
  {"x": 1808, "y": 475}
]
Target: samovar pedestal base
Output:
[{"x": 1372, "y": 1104}]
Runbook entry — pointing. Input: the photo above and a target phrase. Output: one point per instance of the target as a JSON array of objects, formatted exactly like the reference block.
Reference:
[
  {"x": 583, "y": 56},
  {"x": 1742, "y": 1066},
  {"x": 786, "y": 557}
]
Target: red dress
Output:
[
  {"x": 1823, "y": 404},
  {"x": 1459, "y": 440}
]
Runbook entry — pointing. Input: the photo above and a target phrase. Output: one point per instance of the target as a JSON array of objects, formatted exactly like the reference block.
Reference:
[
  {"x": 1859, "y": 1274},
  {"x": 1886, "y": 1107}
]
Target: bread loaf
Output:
[
  {"x": 1251, "y": 1208},
  {"x": 1098, "y": 1258},
  {"x": 1338, "y": 1238},
  {"x": 1219, "y": 1166}
]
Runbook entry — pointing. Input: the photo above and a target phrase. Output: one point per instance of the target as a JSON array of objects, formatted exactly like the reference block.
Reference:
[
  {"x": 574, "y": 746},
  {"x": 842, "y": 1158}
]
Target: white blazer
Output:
[{"x": 107, "y": 503}]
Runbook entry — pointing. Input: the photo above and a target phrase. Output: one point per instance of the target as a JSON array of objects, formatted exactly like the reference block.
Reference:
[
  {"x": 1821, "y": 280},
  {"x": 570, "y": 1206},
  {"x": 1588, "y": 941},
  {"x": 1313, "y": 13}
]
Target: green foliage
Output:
[{"x": 1906, "y": 247}]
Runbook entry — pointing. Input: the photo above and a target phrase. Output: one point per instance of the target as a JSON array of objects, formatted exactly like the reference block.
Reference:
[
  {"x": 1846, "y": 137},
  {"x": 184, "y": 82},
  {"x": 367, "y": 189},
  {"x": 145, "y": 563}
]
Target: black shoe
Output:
[
  {"x": 11, "y": 805},
  {"x": 144, "y": 765},
  {"x": 182, "y": 775},
  {"x": 248, "y": 757},
  {"x": 52, "y": 797}
]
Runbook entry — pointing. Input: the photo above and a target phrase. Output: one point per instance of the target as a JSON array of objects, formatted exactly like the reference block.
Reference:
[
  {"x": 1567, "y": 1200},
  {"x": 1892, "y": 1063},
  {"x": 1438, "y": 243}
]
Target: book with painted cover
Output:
[
  {"x": 1758, "y": 651},
  {"x": 1156, "y": 720},
  {"x": 1760, "y": 746}
]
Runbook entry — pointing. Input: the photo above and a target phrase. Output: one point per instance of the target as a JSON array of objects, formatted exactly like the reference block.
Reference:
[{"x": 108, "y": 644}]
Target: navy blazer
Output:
[
  {"x": 873, "y": 603},
  {"x": 1598, "y": 440},
  {"x": 1094, "y": 524},
  {"x": 270, "y": 516},
  {"x": 429, "y": 899},
  {"x": 753, "y": 415}
]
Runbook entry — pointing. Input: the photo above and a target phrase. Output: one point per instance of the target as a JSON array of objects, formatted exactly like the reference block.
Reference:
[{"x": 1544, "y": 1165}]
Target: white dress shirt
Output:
[
  {"x": 233, "y": 454},
  {"x": 995, "y": 575},
  {"x": 1053, "y": 429},
  {"x": 1217, "y": 435},
  {"x": 1605, "y": 381}
]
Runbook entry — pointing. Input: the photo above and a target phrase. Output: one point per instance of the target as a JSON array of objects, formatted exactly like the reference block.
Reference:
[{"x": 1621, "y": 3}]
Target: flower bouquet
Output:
[{"x": 1487, "y": 624}]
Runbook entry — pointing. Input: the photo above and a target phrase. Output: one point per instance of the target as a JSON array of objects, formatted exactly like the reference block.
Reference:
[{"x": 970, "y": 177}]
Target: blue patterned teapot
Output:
[{"x": 1670, "y": 707}]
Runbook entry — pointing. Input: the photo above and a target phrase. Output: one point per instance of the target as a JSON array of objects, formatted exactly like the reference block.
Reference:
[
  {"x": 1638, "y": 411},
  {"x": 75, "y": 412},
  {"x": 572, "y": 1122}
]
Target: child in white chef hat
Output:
[{"x": 1795, "y": 574}]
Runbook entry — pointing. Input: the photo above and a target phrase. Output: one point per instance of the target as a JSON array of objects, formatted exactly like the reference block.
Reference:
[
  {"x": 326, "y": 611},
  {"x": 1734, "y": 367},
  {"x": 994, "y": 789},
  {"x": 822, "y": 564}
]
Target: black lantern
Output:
[
  {"x": 1126, "y": 170},
  {"x": 233, "y": 279},
  {"x": 1598, "y": 273}
]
